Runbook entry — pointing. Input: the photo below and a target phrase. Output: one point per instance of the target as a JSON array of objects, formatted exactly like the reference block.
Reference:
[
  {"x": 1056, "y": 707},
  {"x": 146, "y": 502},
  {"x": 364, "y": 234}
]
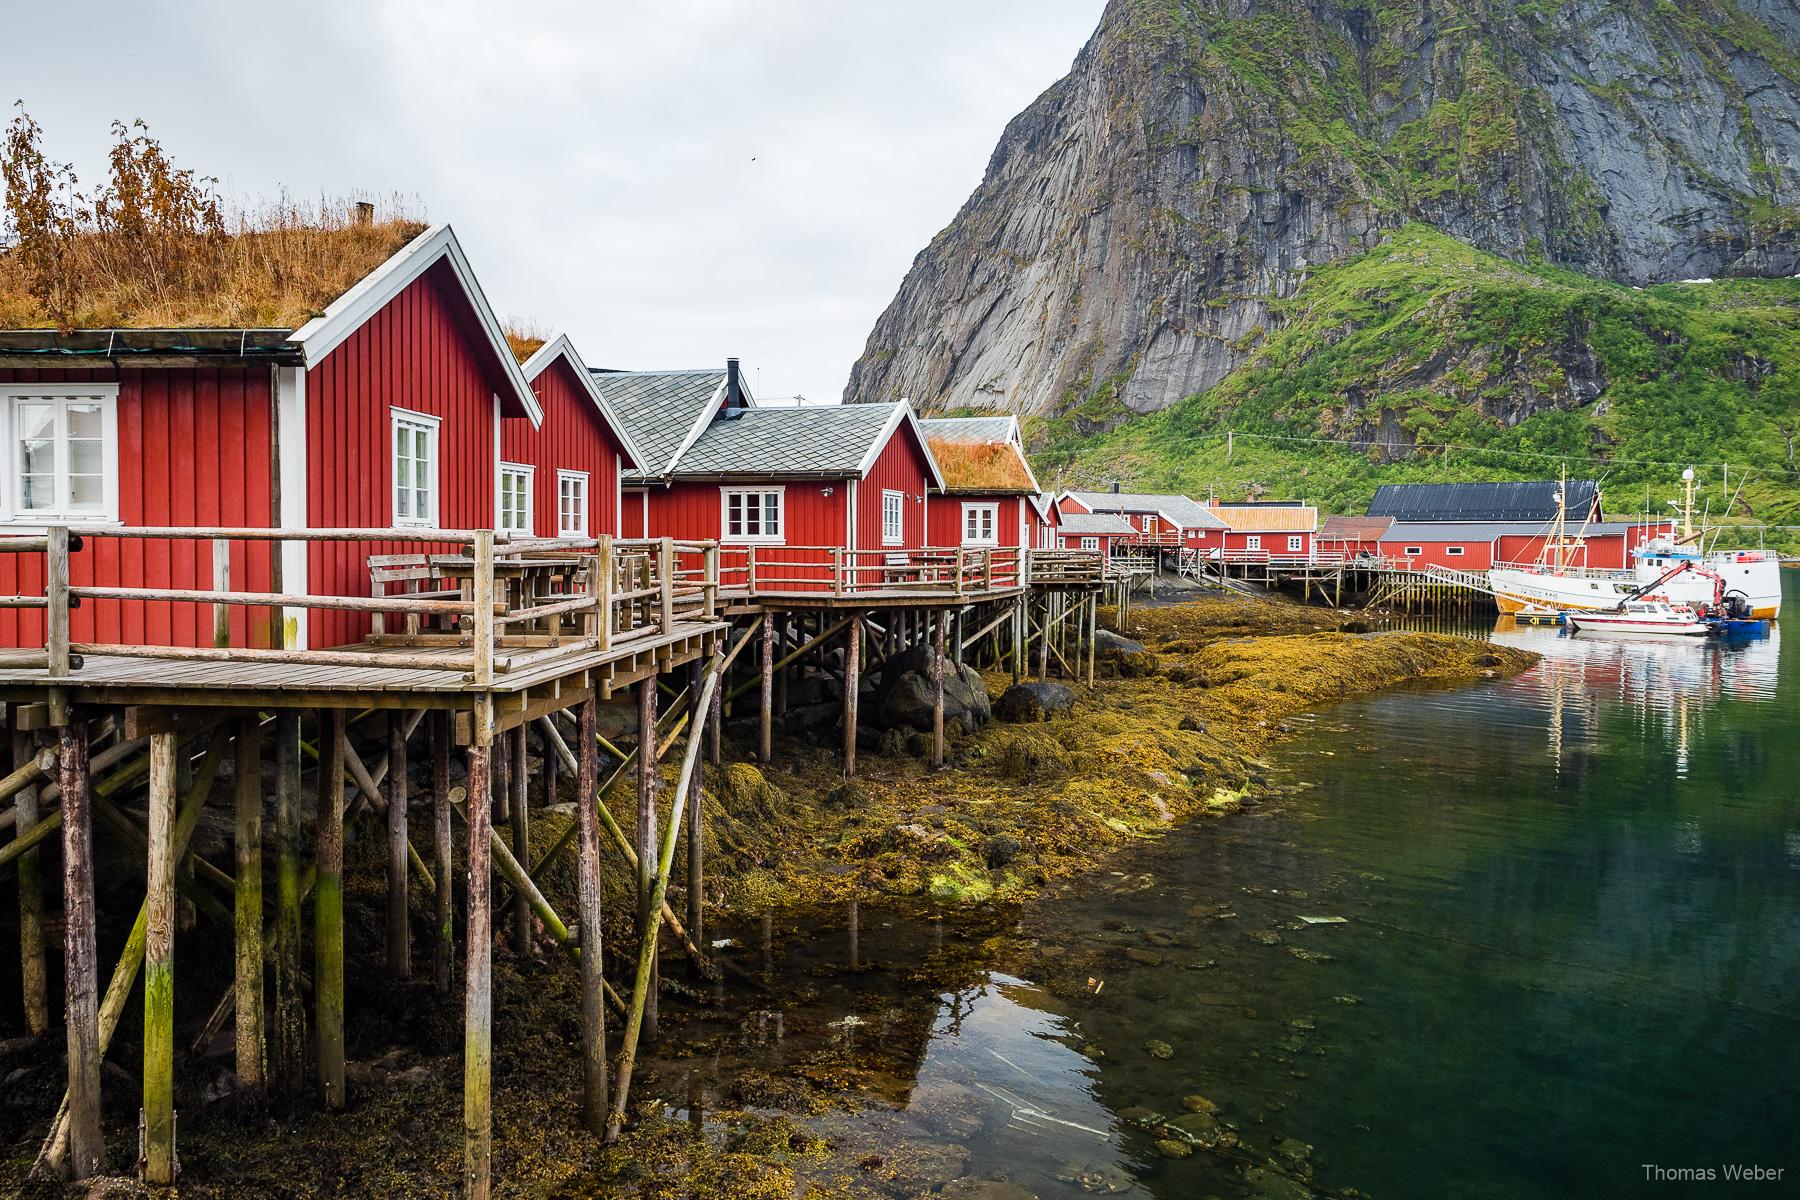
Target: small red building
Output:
[
  {"x": 382, "y": 411},
  {"x": 1350, "y": 536},
  {"x": 1104, "y": 532},
  {"x": 1165, "y": 519},
  {"x": 562, "y": 478},
  {"x": 1267, "y": 530},
  {"x": 988, "y": 483}
]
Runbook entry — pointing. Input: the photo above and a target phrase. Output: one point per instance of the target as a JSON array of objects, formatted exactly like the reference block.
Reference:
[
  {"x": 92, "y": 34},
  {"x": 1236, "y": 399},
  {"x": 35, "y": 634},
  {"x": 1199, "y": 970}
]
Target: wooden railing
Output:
[
  {"x": 1051, "y": 568},
  {"x": 491, "y": 606},
  {"x": 756, "y": 571}
]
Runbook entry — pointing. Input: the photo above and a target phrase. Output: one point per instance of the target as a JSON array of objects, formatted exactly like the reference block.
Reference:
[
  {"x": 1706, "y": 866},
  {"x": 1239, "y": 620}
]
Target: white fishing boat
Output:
[
  {"x": 1559, "y": 582},
  {"x": 1642, "y": 616}
]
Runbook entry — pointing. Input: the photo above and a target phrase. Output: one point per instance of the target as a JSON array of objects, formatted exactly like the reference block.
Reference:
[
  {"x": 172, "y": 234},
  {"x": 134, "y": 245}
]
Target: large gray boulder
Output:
[
  {"x": 903, "y": 694},
  {"x": 1024, "y": 703}
]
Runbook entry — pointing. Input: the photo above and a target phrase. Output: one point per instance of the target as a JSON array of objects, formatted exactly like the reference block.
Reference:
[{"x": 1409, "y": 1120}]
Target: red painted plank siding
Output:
[
  {"x": 901, "y": 467},
  {"x": 1270, "y": 543},
  {"x": 573, "y": 437},
  {"x": 1016, "y": 519},
  {"x": 694, "y": 511},
  {"x": 194, "y": 449},
  {"x": 1477, "y": 554},
  {"x": 420, "y": 352}
]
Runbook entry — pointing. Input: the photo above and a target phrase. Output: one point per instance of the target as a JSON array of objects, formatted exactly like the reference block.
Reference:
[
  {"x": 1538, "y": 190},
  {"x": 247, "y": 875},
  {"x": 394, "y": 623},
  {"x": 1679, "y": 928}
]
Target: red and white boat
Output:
[{"x": 1641, "y": 616}]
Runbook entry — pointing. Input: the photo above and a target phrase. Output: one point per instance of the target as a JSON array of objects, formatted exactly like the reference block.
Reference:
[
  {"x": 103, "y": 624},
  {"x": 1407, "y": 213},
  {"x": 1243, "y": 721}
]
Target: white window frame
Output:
[
  {"x": 403, "y": 418},
  {"x": 1253, "y": 541},
  {"x": 992, "y": 514},
  {"x": 1090, "y": 542},
  {"x": 1296, "y": 543},
  {"x": 893, "y": 518},
  {"x": 1414, "y": 551},
  {"x": 528, "y": 473},
  {"x": 1453, "y": 551},
  {"x": 12, "y": 499},
  {"x": 563, "y": 529},
  {"x": 763, "y": 538}
]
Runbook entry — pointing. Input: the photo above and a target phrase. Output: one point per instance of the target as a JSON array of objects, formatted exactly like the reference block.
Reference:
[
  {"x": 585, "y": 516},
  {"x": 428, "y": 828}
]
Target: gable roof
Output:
[
  {"x": 1521, "y": 501},
  {"x": 981, "y": 466},
  {"x": 1002, "y": 427},
  {"x": 350, "y": 311},
  {"x": 1178, "y": 510},
  {"x": 662, "y": 411},
  {"x": 1267, "y": 518},
  {"x": 560, "y": 347},
  {"x": 1092, "y": 524},
  {"x": 1354, "y": 529},
  {"x": 836, "y": 441}
]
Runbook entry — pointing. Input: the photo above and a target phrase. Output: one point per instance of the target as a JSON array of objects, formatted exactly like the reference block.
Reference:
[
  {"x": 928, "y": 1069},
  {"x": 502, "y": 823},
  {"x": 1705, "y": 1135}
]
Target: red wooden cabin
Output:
[
  {"x": 1096, "y": 531},
  {"x": 1271, "y": 530},
  {"x": 383, "y": 411},
  {"x": 989, "y": 488},
  {"x": 806, "y": 487},
  {"x": 1165, "y": 519},
  {"x": 1350, "y": 536},
  {"x": 564, "y": 477}
]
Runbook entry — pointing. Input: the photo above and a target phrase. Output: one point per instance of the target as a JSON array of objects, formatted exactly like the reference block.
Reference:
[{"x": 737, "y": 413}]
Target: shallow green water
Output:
[{"x": 1562, "y": 942}]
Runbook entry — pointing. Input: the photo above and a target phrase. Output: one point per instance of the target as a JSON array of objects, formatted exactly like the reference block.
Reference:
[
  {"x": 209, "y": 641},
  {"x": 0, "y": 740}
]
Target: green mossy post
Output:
[
  {"x": 852, "y": 682},
  {"x": 940, "y": 619},
  {"x": 1018, "y": 640},
  {"x": 289, "y": 1040},
  {"x": 328, "y": 914},
  {"x": 33, "y": 970},
  {"x": 521, "y": 836},
  {"x": 87, "y": 1148},
  {"x": 443, "y": 942},
  {"x": 646, "y": 831},
  {"x": 696, "y": 843},
  {"x": 248, "y": 988},
  {"x": 399, "y": 930},
  {"x": 478, "y": 968},
  {"x": 766, "y": 729},
  {"x": 593, "y": 984},
  {"x": 159, "y": 968}
]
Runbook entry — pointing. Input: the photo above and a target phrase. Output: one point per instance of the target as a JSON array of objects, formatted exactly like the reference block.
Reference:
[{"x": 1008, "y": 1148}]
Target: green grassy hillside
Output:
[{"x": 1425, "y": 342}]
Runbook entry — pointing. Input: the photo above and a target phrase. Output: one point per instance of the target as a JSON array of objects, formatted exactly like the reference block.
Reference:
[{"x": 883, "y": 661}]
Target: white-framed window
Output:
[
  {"x": 1454, "y": 551},
  {"x": 1295, "y": 543},
  {"x": 1414, "y": 551},
  {"x": 571, "y": 504},
  {"x": 1090, "y": 543},
  {"x": 1253, "y": 542},
  {"x": 513, "y": 511},
  {"x": 893, "y": 518},
  {"x": 62, "y": 452},
  {"x": 415, "y": 468},
  {"x": 1148, "y": 522},
  {"x": 981, "y": 524},
  {"x": 752, "y": 514}
]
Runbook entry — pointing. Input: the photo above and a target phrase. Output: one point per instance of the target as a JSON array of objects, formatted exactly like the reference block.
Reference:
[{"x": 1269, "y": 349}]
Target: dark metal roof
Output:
[
  {"x": 1525, "y": 501},
  {"x": 149, "y": 347}
]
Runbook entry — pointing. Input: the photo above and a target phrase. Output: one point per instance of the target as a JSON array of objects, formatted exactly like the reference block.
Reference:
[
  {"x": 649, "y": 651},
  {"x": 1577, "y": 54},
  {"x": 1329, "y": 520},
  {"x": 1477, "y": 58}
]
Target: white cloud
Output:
[{"x": 670, "y": 182}]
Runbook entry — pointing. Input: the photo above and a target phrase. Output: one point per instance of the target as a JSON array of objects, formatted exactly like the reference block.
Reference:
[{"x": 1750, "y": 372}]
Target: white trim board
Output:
[{"x": 561, "y": 347}]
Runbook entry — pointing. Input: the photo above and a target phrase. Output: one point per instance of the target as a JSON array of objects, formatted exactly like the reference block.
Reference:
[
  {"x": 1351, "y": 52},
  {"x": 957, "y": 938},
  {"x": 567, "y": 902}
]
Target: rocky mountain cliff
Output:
[{"x": 1143, "y": 223}]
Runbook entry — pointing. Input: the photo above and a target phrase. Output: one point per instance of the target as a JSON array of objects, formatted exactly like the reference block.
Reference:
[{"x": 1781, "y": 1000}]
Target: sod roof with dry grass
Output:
[
  {"x": 276, "y": 275},
  {"x": 981, "y": 466}
]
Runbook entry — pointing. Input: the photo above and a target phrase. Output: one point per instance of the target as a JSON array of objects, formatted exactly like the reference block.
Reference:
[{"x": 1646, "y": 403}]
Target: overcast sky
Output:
[{"x": 670, "y": 182}]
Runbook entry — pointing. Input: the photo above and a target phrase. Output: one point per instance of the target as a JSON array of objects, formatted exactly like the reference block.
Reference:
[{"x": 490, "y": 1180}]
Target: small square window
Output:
[
  {"x": 571, "y": 504},
  {"x": 980, "y": 524},
  {"x": 61, "y": 452},
  {"x": 514, "y": 515},
  {"x": 752, "y": 514}
]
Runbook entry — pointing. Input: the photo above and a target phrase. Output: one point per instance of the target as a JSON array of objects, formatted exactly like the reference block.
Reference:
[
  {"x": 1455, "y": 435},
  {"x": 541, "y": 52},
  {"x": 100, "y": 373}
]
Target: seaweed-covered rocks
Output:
[{"x": 1025, "y": 703}]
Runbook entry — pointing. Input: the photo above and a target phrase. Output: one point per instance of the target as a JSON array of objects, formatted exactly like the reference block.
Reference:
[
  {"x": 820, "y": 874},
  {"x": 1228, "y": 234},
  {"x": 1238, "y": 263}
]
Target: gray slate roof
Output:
[
  {"x": 1487, "y": 531},
  {"x": 823, "y": 439},
  {"x": 658, "y": 408},
  {"x": 1190, "y": 514},
  {"x": 1095, "y": 523},
  {"x": 1533, "y": 500},
  {"x": 969, "y": 430}
]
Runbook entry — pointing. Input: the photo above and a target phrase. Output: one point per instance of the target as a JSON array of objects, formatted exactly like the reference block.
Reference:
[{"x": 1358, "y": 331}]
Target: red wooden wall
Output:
[
  {"x": 694, "y": 511},
  {"x": 899, "y": 467},
  {"x": 420, "y": 352},
  {"x": 194, "y": 449},
  {"x": 1477, "y": 553},
  {"x": 573, "y": 437},
  {"x": 1015, "y": 519}
]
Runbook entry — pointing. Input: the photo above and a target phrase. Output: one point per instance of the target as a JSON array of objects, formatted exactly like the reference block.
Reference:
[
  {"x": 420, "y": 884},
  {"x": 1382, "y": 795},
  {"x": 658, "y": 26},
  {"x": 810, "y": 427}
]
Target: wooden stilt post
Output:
[
  {"x": 521, "y": 836},
  {"x": 1018, "y": 640},
  {"x": 443, "y": 940},
  {"x": 33, "y": 969},
  {"x": 696, "y": 842},
  {"x": 328, "y": 913},
  {"x": 715, "y": 726},
  {"x": 399, "y": 929},
  {"x": 593, "y": 987},
  {"x": 1093, "y": 635},
  {"x": 766, "y": 754},
  {"x": 646, "y": 832},
  {"x": 81, "y": 1018},
  {"x": 159, "y": 968},
  {"x": 1043, "y": 636},
  {"x": 248, "y": 988},
  {"x": 852, "y": 682},
  {"x": 937, "y": 687},
  {"x": 478, "y": 1003},
  {"x": 290, "y": 1015}
]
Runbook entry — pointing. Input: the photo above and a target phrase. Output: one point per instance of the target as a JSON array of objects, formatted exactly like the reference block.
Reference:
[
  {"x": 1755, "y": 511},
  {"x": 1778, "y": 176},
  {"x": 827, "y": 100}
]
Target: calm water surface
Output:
[{"x": 1519, "y": 940}]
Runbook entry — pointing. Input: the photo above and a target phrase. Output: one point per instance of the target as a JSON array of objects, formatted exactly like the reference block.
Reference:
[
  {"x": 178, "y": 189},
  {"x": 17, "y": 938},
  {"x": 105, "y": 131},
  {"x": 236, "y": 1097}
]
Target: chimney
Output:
[
  {"x": 734, "y": 386},
  {"x": 1115, "y": 487},
  {"x": 365, "y": 213}
]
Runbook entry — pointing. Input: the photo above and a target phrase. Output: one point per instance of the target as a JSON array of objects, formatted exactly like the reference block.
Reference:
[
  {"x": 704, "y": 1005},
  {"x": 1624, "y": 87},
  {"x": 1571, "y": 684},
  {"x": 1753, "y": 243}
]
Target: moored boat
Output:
[{"x": 1642, "y": 616}]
